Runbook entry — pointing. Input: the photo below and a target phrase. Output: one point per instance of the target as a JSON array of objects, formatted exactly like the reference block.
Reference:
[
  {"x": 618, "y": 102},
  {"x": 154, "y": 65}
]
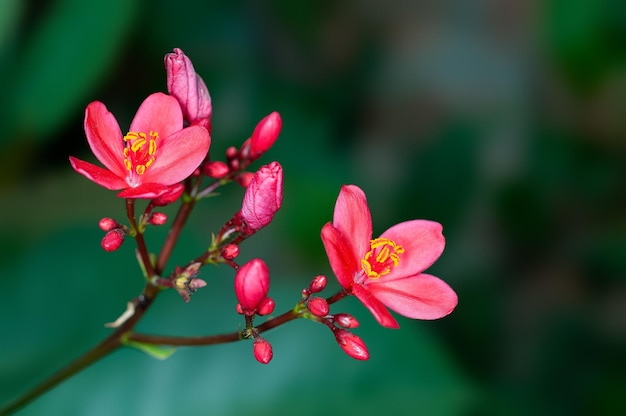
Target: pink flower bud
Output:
[
  {"x": 107, "y": 224},
  {"x": 346, "y": 320},
  {"x": 317, "y": 284},
  {"x": 215, "y": 169},
  {"x": 244, "y": 178},
  {"x": 175, "y": 191},
  {"x": 265, "y": 134},
  {"x": 113, "y": 239},
  {"x": 252, "y": 283},
  {"x": 157, "y": 218},
  {"x": 188, "y": 88},
  {"x": 263, "y": 197},
  {"x": 230, "y": 251},
  {"x": 262, "y": 351},
  {"x": 352, "y": 344},
  {"x": 266, "y": 306},
  {"x": 317, "y": 306}
]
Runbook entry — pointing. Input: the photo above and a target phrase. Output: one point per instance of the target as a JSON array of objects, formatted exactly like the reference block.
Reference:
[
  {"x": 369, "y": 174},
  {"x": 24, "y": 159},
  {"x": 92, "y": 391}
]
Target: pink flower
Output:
[
  {"x": 188, "y": 88},
  {"x": 263, "y": 197},
  {"x": 386, "y": 271},
  {"x": 252, "y": 282},
  {"x": 156, "y": 153}
]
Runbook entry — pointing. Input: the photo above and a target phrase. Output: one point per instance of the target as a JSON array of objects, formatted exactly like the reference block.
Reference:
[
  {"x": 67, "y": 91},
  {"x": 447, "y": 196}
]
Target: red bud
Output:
[
  {"x": 352, "y": 344},
  {"x": 262, "y": 350},
  {"x": 113, "y": 239}
]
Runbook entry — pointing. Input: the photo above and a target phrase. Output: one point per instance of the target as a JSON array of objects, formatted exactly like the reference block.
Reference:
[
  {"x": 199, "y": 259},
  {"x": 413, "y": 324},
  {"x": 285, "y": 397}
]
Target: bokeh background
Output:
[{"x": 503, "y": 120}]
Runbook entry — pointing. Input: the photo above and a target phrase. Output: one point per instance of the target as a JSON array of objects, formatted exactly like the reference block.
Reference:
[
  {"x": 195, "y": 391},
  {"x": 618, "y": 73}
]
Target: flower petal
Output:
[
  {"x": 145, "y": 191},
  {"x": 382, "y": 315},
  {"x": 178, "y": 156},
  {"x": 160, "y": 113},
  {"x": 353, "y": 219},
  {"x": 105, "y": 137},
  {"x": 421, "y": 296},
  {"x": 340, "y": 255},
  {"x": 423, "y": 243},
  {"x": 98, "y": 175}
]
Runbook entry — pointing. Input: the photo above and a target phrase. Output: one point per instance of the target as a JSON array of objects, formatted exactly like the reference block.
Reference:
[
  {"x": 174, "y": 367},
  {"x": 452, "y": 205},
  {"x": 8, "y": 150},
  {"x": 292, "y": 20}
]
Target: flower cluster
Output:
[{"x": 164, "y": 158}]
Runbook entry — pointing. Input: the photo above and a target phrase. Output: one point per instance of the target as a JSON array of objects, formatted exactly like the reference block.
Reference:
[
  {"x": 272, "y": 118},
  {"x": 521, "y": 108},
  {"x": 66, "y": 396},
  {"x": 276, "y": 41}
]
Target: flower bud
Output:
[
  {"x": 252, "y": 282},
  {"x": 317, "y": 284},
  {"x": 107, "y": 224},
  {"x": 230, "y": 251},
  {"x": 157, "y": 218},
  {"x": 266, "y": 306},
  {"x": 346, "y": 320},
  {"x": 318, "y": 306},
  {"x": 188, "y": 88},
  {"x": 170, "y": 196},
  {"x": 244, "y": 178},
  {"x": 265, "y": 134},
  {"x": 215, "y": 169},
  {"x": 352, "y": 344},
  {"x": 263, "y": 197},
  {"x": 262, "y": 350},
  {"x": 113, "y": 239}
]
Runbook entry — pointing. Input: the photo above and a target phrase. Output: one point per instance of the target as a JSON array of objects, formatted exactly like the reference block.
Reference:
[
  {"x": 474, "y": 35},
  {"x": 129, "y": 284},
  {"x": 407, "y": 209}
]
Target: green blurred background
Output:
[{"x": 504, "y": 121}]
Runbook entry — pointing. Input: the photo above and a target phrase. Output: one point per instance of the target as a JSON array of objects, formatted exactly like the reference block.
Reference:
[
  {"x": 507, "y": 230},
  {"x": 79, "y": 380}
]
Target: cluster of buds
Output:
[{"x": 115, "y": 234}]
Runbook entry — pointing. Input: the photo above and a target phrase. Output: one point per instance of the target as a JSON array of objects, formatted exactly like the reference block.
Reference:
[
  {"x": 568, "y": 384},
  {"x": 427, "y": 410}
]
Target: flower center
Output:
[
  {"x": 139, "y": 151},
  {"x": 383, "y": 256}
]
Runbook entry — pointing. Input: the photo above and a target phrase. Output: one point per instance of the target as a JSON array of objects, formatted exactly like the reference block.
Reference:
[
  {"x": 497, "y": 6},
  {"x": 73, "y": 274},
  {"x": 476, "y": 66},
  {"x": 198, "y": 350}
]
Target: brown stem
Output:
[{"x": 172, "y": 236}]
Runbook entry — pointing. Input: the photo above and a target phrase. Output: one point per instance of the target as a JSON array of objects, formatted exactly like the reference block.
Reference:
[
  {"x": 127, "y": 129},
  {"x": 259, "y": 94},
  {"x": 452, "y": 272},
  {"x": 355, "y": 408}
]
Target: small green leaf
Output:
[{"x": 160, "y": 352}]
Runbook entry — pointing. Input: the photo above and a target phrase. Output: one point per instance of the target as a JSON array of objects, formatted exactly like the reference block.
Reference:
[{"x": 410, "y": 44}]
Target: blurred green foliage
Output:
[{"x": 504, "y": 121}]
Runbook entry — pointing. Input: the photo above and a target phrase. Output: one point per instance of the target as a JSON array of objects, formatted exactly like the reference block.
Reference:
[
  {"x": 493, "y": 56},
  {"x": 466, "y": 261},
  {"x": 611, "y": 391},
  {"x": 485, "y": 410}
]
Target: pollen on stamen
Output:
[{"x": 383, "y": 256}]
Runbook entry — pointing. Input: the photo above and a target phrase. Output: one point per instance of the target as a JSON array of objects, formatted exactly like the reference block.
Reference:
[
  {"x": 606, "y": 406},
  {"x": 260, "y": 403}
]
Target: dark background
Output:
[{"x": 503, "y": 120}]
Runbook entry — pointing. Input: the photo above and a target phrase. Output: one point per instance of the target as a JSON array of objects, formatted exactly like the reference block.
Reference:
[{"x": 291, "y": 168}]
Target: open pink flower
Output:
[
  {"x": 156, "y": 153},
  {"x": 386, "y": 271}
]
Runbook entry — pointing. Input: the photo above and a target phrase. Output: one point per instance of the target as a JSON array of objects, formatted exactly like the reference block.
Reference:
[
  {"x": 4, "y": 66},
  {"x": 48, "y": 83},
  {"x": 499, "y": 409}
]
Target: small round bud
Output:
[
  {"x": 157, "y": 218},
  {"x": 244, "y": 179},
  {"x": 262, "y": 351},
  {"x": 352, "y": 344},
  {"x": 113, "y": 239},
  {"x": 107, "y": 224},
  {"x": 231, "y": 153},
  {"x": 318, "y": 306},
  {"x": 346, "y": 320},
  {"x": 215, "y": 169},
  {"x": 266, "y": 306},
  {"x": 230, "y": 251},
  {"x": 317, "y": 284},
  {"x": 239, "y": 309}
]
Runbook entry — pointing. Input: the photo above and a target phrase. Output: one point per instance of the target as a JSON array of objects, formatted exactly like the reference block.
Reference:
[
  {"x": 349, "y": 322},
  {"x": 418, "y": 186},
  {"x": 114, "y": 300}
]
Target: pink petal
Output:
[
  {"x": 423, "y": 243},
  {"x": 160, "y": 113},
  {"x": 353, "y": 219},
  {"x": 145, "y": 191},
  {"x": 382, "y": 315},
  {"x": 340, "y": 255},
  {"x": 421, "y": 296},
  {"x": 98, "y": 175},
  {"x": 105, "y": 137},
  {"x": 178, "y": 156}
]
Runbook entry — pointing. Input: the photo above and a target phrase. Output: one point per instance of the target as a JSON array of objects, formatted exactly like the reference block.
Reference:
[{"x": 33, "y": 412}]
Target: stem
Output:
[
  {"x": 141, "y": 243},
  {"x": 211, "y": 339},
  {"x": 172, "y": 236}
]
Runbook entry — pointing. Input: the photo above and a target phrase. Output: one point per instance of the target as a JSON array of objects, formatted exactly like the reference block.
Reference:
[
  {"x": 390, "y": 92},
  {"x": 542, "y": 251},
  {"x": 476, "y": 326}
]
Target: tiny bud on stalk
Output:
[
  {"x": 318, "y": 306},
  {"x": 157, "y": 218},
  {"x": 215, "y": 169},
  {"x": 107, "y": 224},
  {"x": 352, "y": 344},
  {"x": 317, "y": 284},
  {"x": 262, "y": 351},
  {"x": 230, "y": 251},
  {"x": 346, "y": 320},
  {"x": 113, "y": 240},
  {"x": 266, "y": 306},
  {"x": 263, "y": 197},
  {"x": 252, "y": 282},
  {"x": 265, "y": 134}
]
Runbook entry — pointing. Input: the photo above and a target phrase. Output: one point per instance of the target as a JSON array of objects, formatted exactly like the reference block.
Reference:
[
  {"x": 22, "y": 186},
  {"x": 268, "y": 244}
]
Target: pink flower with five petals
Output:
[
  {"x": 386, "y": 272},
  {"x": 156, "y": 153}
]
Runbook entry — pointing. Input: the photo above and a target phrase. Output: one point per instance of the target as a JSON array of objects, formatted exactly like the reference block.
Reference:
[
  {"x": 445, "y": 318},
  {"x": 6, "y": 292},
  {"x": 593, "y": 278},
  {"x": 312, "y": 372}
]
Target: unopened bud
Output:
[
  {"x": 317, "y": 306},
  {"x": 244, "y": 179},
  {"x": 157, "y": 218},
  {"x": 215, "y": 169},
  {"x": 264, "y": 135},
  {"x": 175, "y": 191},
  {"x": 263, "y": 197},
  {"x": 252, "y": 282},
  {"x": 231, "y": 153},
  {"x": 262, "y": 351},
  {"x": 317, "y": 284},
  {"x": 230, "y": 251},
  {"x": 107, "y": 224},
  {"x": 266, "y": 306},
  {"x": 351, "y": 344},
  {"x": 188, "y": 88},
  {"x": 113, "y": 239},
  {"x": 346, "y": 320}
]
